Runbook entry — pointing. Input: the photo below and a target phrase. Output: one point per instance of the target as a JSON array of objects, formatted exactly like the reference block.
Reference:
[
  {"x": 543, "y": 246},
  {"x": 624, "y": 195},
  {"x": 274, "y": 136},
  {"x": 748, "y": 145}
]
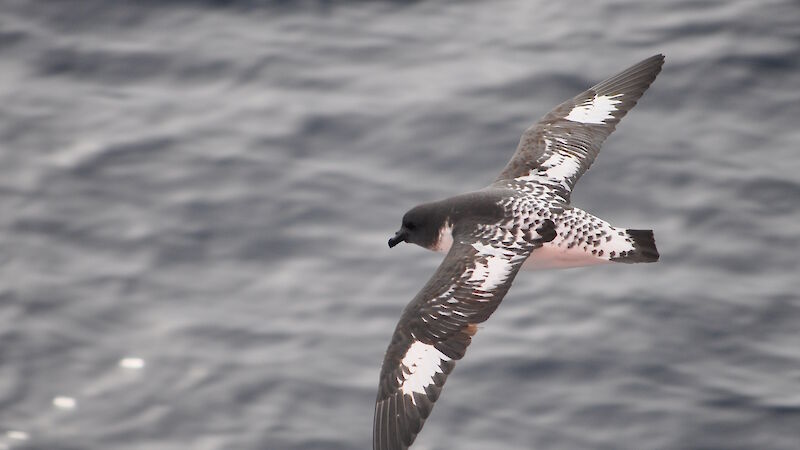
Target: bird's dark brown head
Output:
[{"x": 421, "y": 225}]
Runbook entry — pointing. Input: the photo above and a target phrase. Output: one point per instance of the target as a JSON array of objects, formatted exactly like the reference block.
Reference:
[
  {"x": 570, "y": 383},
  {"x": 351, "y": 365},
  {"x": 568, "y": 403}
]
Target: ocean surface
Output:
[{"x": 195, "y": 199}]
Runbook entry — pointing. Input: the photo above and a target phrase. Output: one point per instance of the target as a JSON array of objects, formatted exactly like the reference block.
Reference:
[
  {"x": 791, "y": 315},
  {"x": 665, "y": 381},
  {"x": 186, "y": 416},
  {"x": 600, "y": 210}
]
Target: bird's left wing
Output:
[
  {"x": 437, "y": 326},
  {"x": 558, "y": 149}
]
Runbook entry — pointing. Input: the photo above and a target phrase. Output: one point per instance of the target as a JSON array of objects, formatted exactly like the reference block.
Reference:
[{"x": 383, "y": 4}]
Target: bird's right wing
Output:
[
  {"x": 437, "y": 326},
  {"x": 558, "y": 149}
]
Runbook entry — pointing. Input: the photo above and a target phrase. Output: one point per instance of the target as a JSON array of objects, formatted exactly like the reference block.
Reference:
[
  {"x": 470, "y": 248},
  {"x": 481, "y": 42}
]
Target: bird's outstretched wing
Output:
[
  {"x": 558, "y": 149},
  {"x": 437, "y": 326}
]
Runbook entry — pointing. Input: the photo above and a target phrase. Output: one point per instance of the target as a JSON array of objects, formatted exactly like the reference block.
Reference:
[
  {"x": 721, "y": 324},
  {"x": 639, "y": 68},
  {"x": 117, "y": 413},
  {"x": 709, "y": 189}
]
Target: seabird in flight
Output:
[{"x": 524, "y": 218}]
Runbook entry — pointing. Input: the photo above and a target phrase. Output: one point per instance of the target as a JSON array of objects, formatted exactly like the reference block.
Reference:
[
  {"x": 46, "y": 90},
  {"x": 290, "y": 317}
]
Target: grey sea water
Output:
[{"x": 206, "y": 188}]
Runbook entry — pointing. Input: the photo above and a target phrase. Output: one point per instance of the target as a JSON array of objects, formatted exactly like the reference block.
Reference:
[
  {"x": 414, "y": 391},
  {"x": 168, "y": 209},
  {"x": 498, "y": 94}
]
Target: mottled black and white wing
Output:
[
  {"x": 437, "y": 326},
  {"x": 558, "y": 149}
]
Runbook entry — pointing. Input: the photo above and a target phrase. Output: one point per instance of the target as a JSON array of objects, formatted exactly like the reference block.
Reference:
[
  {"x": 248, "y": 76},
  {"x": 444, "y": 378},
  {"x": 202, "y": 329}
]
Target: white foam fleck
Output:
[
  {"x": 132, "y": 363},
  {"x": 423, "y": 362},
  {"x": 595, "y": 110},
  {"x": 17, "y": 435},
  {"x": 63, "y": 402}
]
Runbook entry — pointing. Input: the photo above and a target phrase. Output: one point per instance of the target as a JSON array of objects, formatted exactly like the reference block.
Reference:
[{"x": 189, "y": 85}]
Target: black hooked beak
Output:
[{"x": 399, "y": 237}]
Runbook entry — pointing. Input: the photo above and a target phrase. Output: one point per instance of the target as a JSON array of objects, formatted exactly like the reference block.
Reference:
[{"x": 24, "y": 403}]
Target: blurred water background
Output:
[{"x": 195, "y": 199}]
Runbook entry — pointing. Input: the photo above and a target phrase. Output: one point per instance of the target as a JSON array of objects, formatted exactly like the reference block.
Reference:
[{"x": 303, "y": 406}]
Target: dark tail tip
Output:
[{"x": 644, "y": 247}]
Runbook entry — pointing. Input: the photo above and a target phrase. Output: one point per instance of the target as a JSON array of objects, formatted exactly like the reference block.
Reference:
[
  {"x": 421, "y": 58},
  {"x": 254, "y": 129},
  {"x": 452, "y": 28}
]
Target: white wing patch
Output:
[
  {"x": 557, "y": 167},
  {"x": 560, "y": 166},
  {"x": 595, "y": 110},
  {"x": 496, "y": 270},
  {"x": 421, "y": 363}
]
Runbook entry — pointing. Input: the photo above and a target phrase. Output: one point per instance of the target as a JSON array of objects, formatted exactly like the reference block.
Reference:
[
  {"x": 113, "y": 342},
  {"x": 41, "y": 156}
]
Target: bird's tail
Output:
[
  {"x": 584, "y": 240},
  {"x": 644, "y": 247}
]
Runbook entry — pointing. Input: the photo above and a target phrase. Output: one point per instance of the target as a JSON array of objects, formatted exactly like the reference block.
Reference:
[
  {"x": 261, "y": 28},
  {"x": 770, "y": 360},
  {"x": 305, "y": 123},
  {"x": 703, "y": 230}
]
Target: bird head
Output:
[{"x": 421, "y": 225}]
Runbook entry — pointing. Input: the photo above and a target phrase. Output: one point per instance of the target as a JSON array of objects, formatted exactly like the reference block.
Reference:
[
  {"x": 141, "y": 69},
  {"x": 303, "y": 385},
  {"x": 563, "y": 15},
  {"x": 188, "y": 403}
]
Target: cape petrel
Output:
[{"x": 523, "y": 218}]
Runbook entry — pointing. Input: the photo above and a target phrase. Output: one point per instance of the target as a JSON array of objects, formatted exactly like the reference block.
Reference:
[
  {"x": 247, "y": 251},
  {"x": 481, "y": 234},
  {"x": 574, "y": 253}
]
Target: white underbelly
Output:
[{"x": 553, "y": 257}]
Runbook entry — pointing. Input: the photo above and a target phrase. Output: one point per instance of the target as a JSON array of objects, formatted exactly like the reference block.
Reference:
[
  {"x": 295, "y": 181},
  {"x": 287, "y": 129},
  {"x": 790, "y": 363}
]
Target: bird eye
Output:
[{"x": 410, "y": 226}]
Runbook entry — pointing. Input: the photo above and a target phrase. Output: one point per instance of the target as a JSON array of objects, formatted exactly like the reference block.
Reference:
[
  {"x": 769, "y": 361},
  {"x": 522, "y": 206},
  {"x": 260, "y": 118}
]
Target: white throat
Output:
[{"x": 445, "y": 240}]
